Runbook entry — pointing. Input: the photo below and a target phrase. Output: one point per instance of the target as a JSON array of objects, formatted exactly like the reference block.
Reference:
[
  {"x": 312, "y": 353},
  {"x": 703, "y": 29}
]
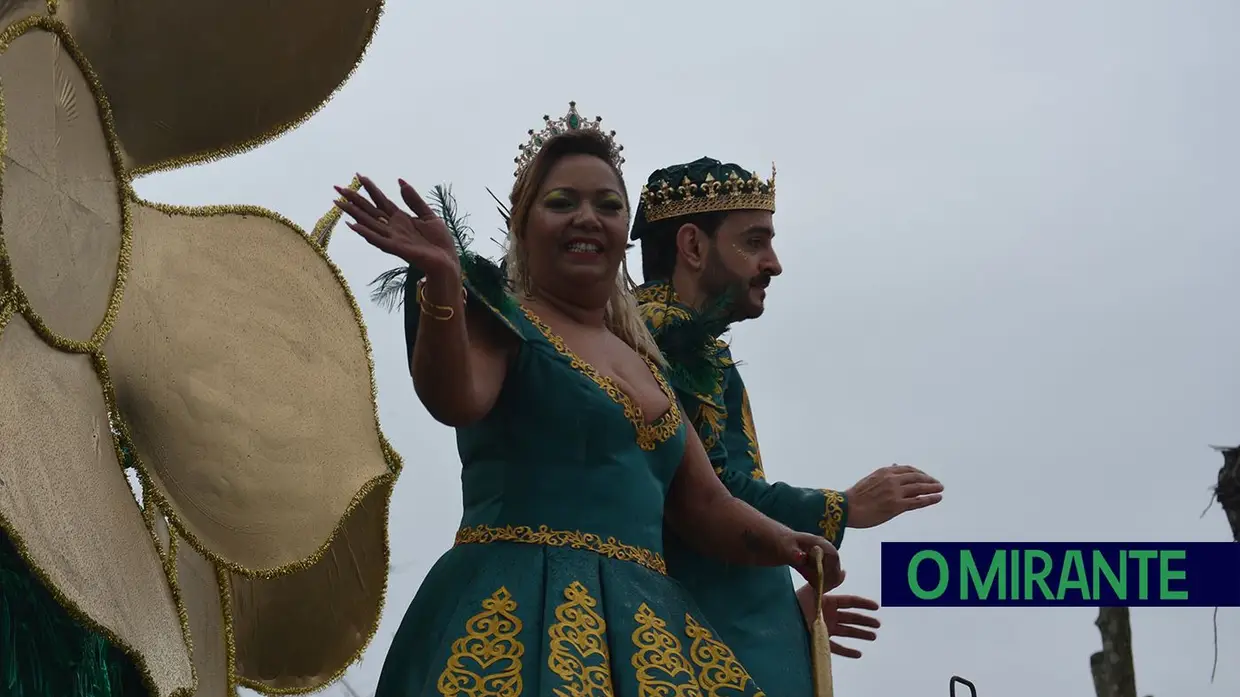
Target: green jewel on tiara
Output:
[{"x": 572, "y": 121}]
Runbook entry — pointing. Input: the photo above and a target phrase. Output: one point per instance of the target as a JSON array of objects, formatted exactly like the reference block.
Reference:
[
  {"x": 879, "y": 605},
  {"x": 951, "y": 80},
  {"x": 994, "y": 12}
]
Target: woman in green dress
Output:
[{"x": 574, "y": 455}]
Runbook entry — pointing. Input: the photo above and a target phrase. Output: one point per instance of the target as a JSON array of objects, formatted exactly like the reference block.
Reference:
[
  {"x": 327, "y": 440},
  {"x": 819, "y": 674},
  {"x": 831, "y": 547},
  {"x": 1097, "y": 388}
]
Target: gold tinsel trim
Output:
[
  {"x": 258, "y": 686},
  {"x": 7, "y": 278},
  {"x": 272, "y": 134},
  {"x": 76, "y": 613},
  {"x": 224, "y": 581},
  {"x": 394, "y": 461},
  {"x": 15, "y": 300},
  {"x": 322, "y": 232}
]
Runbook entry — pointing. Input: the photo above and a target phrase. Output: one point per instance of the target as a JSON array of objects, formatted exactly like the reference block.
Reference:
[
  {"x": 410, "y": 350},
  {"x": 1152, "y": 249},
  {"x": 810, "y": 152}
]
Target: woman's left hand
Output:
[{"x": 841, "y": 621}]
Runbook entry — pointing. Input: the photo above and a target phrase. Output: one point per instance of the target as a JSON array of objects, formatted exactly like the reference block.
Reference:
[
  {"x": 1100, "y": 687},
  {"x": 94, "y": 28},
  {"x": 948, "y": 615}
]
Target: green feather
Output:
[{"x": 690, "y": 345}]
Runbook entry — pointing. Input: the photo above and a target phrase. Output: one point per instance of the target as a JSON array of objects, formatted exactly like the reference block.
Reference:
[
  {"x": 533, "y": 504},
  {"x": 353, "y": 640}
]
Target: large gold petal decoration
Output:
[
  {"x": 62, "y": 207},
  {"x": 244, "y": 375},
  {"x": 283, "y": 648},
  {"x": 224, "y": 344},
  {"x": 196, "y": 80},
  {"x": 199, "y": 583},
  {"x": 65, "y": 501}
]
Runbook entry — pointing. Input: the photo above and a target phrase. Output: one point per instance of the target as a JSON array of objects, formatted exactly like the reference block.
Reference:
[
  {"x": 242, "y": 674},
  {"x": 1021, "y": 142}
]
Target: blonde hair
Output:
[{"x": 621, "y": 315}]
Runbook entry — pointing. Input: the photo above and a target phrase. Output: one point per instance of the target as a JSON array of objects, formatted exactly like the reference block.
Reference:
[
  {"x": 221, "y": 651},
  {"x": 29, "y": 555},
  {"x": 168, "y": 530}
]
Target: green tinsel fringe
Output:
[{"x": 44, "y": 652}]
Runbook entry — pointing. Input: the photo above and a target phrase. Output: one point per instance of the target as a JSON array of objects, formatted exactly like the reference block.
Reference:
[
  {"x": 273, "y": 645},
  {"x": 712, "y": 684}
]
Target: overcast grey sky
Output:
[{"x": 1009, "y": 255}]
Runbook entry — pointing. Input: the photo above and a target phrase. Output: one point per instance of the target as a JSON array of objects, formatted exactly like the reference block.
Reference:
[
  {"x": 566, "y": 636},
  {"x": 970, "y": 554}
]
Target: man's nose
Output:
[{"x": 771, "y": 265}]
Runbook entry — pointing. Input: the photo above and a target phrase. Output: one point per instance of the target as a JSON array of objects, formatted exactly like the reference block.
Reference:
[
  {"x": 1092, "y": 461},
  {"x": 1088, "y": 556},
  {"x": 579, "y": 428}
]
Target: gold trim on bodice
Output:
[
  {"x": 649, "y": 436},
  {"x": 543, "y": 535}
]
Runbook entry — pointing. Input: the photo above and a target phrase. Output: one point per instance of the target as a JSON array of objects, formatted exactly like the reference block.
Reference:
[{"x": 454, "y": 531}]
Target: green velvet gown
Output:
[
  {"x": 557, "y": 585},
  {"x": 754, "y": 609},
  {"x": 44, "y": 652}
]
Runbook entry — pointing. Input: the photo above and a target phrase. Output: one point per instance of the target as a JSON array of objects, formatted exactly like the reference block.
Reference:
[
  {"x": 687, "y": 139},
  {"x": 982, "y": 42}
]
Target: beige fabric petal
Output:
[
  {"x": 294, "y": 633},
  {"x": 242, "y": 369},
  {"x": 300, "y": 632},
  {"x": 204, "y": 97},
  {"x": 200, "y": 592},
  {"x": 66, "y": 501},
  {"x": 62, "y": 203}
]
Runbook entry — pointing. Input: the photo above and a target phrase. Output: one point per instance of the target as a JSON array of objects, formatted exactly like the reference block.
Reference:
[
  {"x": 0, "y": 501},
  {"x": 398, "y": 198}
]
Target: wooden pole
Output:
[{"x": 1112, "y": 667}]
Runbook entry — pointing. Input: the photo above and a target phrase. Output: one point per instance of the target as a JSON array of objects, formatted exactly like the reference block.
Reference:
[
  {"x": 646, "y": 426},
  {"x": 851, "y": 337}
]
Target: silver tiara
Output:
[{"x": 572, "y": 121}]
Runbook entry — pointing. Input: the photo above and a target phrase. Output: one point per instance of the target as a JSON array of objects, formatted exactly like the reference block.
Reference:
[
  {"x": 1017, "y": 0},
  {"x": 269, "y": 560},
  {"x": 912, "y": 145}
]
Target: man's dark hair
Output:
[{"x": 659, "y": 242}]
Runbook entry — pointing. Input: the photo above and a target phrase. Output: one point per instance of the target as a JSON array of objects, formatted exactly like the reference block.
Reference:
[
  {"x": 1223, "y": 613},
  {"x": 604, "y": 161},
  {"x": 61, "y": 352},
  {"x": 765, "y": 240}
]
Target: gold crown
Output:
[
  {"x": 729, "y": 192},
  {"x": 572, "y": 121}
]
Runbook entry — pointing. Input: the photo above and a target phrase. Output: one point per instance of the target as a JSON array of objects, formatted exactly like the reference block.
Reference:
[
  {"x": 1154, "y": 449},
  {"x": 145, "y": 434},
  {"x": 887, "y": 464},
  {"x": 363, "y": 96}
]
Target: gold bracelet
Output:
[{"x": 446, "y": 312}]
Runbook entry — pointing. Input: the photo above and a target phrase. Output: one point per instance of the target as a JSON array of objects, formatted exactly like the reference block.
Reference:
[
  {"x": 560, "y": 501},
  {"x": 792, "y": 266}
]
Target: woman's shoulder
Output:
[{"x": 486, "y": 291}]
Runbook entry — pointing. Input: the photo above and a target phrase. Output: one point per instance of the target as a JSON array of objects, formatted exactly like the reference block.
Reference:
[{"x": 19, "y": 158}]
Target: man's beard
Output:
[{"x": 718, "y": 280}]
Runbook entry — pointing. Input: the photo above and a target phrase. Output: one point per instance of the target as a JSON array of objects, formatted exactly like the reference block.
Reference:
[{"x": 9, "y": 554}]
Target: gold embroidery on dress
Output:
[
  {"x": 648, "y": 436},
  {"x": 718, "y": 668},
  {"x": 751, "y": 435},
  {"x": 578, "y": 651},
  {"x": 662, "y": 670},
  {"x": 833, "y": 516},
  {"x": 608, "y": 547},
  {"x": 486, "y": 662}
]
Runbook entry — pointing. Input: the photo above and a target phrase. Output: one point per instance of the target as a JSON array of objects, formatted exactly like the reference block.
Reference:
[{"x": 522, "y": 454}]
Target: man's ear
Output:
[{"x": 691, "y": 247}]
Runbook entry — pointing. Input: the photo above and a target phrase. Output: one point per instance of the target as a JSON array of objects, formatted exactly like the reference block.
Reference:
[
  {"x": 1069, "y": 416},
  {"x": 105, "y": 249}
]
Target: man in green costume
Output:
[{"x": 706, "y": 232}]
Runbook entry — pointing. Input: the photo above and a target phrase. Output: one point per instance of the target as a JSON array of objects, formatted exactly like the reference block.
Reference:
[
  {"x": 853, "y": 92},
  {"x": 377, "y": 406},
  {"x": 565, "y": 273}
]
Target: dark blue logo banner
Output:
[{"x": 1083, "y": 574}]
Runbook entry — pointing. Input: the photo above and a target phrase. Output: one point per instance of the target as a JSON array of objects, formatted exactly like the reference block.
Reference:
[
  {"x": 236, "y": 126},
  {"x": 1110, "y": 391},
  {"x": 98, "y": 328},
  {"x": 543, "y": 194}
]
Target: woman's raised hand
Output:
[{"x": 421, "y": 239}]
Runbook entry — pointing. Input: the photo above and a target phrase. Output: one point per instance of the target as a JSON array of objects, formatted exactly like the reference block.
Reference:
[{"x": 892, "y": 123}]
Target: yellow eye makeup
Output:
[{"x": 559, "y": 198}]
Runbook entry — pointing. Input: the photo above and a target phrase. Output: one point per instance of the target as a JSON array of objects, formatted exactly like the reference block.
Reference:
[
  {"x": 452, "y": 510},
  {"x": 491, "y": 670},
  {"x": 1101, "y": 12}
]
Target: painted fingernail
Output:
[{"x": 403, "y": 182}]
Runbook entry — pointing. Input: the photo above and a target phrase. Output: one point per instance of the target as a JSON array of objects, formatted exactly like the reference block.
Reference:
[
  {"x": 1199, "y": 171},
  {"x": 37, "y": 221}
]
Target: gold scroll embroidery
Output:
[
  {"x": 648, "y": 435},
  {"x": 751, "y": 435},
  {"x": 486, "y": 662},
  {"x": 578, "y": 646},
  {"x": 608, "y": 547},
  {"x": 718, "y": 668},
  {"x": 662, "y": 670},
  {"x": 833, "y": 515}
]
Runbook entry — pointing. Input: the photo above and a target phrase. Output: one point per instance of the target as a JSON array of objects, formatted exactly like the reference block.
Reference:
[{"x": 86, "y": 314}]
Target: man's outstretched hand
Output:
[
  {"x": 841, "y": 621},
  {"x": 887, "y": 492}
]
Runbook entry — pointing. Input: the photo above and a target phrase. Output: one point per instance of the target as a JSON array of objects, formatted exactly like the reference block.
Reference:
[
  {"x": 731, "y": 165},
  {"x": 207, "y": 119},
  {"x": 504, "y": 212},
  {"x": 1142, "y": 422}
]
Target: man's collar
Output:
[{"x": 663, "y": 293}]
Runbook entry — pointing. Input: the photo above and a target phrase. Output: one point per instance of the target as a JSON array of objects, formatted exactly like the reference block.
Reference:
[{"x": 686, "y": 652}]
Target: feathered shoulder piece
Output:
[{"x": 688, "y": 338}]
